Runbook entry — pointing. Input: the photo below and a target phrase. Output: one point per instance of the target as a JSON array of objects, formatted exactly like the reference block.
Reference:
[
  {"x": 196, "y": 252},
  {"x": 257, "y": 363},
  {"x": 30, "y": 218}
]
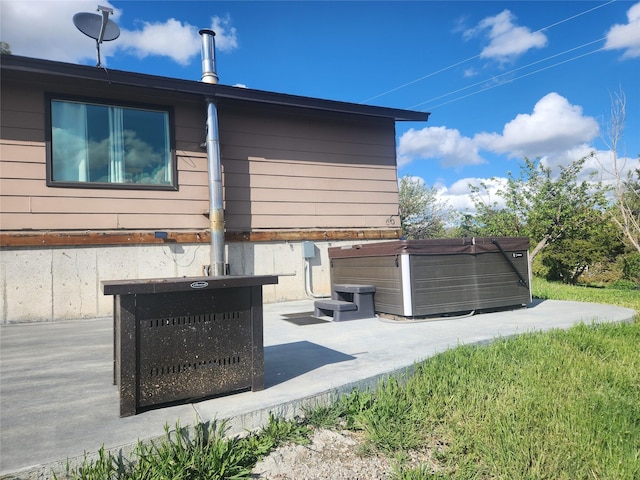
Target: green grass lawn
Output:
[
  {"x": 556, "y": 405},
  {"x": 553, "y": 405},
  {"x": 558, "y": 291}
]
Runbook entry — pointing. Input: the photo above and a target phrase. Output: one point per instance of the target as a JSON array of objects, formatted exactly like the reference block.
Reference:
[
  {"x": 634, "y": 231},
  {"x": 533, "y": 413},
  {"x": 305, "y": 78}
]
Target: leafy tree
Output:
[
  {"x": 422, "y": 214},
  {"x": 492, "y": 218},
  {"x": 631, "y": 267},
  {"x": 5, "y": 48},
  {"x": 466, "y": 226},
  {"x": 544, "y": 207},
  {"x": 599, "y": 242}
]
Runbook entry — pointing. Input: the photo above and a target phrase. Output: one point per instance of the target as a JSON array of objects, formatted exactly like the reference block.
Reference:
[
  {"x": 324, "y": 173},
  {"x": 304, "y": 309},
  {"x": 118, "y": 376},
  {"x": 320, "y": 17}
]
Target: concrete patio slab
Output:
[{"x": 58, "y": 400}]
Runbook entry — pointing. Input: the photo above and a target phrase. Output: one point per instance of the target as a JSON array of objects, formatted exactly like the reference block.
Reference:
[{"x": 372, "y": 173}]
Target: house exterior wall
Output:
[
  {"x": 295, "y": 171},
  {"x": 63, "y": 283},
  {"x": 280, "y": 171},
  {"x": 28, "y": 203},
  {"x": 289, "y": 175}
]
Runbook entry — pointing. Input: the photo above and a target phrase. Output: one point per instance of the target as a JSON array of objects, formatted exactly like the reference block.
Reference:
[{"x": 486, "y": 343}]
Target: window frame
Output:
[{"x": 50, "y": 97}]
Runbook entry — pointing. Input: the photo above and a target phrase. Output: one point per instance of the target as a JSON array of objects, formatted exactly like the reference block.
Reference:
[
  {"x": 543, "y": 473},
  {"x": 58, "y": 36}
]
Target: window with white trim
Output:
[{"x": 99, "y": 144}]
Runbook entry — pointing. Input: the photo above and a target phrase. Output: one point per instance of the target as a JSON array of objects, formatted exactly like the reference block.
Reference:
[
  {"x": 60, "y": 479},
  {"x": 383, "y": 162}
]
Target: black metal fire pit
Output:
[{"x": 180, "y": 339}]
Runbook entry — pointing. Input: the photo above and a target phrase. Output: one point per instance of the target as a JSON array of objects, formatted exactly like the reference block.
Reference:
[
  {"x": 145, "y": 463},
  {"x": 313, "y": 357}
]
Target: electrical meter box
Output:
[{"x": 308, "y": 249}]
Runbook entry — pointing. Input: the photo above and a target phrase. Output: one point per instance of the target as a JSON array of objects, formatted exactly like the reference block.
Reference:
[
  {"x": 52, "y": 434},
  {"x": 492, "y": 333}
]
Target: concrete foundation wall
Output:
[{"x": 63, "y": 283}]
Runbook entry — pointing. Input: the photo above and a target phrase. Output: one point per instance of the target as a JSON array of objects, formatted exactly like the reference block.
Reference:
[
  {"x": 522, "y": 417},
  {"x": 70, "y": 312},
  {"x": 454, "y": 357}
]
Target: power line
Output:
[
  {"x": 477, "y": 56},
  {"x": 508, "y": 73},
  {"x": 518, "y": 78},
  {"x": 575, "y": 16},
  {"x": 420, "y": 79}
]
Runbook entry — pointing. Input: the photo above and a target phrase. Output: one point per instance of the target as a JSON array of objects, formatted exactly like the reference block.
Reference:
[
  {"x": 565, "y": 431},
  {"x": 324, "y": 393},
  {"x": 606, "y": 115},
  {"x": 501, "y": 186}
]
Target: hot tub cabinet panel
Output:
[
  {"x": 380, "y": 271},
  {"x": 415, "y": 278}
]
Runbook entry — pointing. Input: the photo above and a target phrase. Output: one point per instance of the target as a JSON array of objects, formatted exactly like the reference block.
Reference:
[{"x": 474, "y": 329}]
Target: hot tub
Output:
[{"x": 420, "y": 278}]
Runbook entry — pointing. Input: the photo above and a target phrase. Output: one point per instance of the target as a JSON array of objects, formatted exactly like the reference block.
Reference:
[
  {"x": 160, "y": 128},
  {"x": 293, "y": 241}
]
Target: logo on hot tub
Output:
[
  {"x": 199, "y": 284},
  {"x": 517, "y": 255}
]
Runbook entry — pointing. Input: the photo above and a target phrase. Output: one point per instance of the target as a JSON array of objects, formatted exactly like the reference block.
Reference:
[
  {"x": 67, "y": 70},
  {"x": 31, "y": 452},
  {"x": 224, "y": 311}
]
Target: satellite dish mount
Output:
[{"x": 98, "y": 27}]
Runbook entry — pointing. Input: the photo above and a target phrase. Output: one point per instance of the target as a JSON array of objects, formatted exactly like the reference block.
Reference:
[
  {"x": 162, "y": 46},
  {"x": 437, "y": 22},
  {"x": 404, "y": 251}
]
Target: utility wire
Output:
[
  {"x": 444, "y": 69},
  {"x": 420, "y": 79},
  {"x": 495, "y": 78},
  {"x": 575, "y": 16},
  {"x": 518, "y": 78}
]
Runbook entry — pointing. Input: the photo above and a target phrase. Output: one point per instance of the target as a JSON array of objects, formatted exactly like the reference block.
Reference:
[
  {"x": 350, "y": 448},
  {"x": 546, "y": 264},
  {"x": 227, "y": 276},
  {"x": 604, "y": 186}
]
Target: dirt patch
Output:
[{"x": 336, "y": 455}]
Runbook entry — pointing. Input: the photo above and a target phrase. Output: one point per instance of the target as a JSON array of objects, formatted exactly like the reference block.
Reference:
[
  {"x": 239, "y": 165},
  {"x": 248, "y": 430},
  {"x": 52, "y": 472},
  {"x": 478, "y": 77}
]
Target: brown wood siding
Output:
[
  {"x": 26, "y": 202},
  {"x": 309, "y": 172},
  {"x": 282, "y": 170}
]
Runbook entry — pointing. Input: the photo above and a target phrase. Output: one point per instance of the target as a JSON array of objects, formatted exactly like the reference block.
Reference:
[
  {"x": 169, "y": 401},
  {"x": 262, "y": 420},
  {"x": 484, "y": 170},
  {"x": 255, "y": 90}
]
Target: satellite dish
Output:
[
  {"x": 91, "y": 25},
  {"x": 98, "y": 27}
]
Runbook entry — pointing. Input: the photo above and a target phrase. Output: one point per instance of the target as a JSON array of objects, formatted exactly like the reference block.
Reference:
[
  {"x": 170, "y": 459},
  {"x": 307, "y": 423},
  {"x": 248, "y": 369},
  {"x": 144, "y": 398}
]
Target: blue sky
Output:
[{"x": 503, "y": 80}]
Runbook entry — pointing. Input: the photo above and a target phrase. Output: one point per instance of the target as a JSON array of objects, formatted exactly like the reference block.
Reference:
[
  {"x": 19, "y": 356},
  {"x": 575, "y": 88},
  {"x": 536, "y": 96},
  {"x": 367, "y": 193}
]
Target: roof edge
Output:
[{"x": 120, "y": 77}]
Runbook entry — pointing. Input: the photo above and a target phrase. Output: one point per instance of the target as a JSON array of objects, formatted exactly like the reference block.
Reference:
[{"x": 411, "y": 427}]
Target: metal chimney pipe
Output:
[
  {"x": 209, "y": 74},
  {"x": 216, "y": 211}
]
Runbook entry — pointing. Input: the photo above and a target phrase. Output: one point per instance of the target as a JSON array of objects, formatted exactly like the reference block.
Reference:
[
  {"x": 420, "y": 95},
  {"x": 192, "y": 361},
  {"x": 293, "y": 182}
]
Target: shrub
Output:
[
  {"x": 624, "y": 285},
  {"x": 631, "y": 267}
]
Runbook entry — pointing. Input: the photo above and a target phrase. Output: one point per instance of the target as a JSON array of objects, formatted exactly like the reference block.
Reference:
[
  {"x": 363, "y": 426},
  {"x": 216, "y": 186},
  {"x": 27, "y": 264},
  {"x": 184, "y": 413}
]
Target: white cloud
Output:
[
  {"x": 470, "y": 72},
  {"x": 226, "y": 35},
  {"x": 174, "y": 39},
  {"x": 556, "y": 131},
  {"x": 565, "y": 157},
  {"x": 608, "y": 167},
  {"x": 444, "y": 144},
  {"x": 460, "y": 201},
  {"x": 553, "y": 127},
  {"x": 626, "y": 37},
  {"x": 45, "y": 29},
  {"x": 459, "y": 194},
  {"x": 177, "y": 40},
  {"x": 507, "y": 41}
]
